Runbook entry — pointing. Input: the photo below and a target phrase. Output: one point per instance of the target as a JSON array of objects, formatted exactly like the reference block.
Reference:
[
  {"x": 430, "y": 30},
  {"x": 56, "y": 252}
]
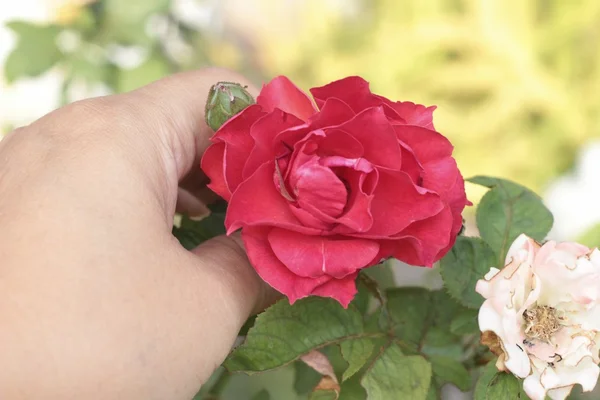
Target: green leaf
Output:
[
  {"x": 151, "y": 70},
  {"x": 362, "y": 299},
  {"x": 434, "y": 392},
  {"x": 409, "y": 312},
  {"x": 305, "y": 379},
  {"x": 505, "y": 386},
  {"x": 487, "y": 374},
  {"x": 356, "y": 352},
  {"x": 396, "y": 376},
  {"x": 507, "y": 211},
  {"x": 447, "y": 370},
  {"x": 35, "y": 53},
  {"x": 352, "y": 389},
  {"x": 468, "y": 261},
  {"x": 465, "y": 323},
  {"x": 382, "y": 274},
  {"x": 191, "y": 233},
  {"x": 420, "y": 317},
  {"x": 262, "y": 395},
  {"x": 283, "y": 333},
  {"x": 125, "y": 21},
  {"x": 590, "y": 237}
]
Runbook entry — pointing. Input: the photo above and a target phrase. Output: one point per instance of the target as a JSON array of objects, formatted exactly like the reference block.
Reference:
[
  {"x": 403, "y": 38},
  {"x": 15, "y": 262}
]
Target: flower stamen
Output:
[{"x": 541, "y": 323}]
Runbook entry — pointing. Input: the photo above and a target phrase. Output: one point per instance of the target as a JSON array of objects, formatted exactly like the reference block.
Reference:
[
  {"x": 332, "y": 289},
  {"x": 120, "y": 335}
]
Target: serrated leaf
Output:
[
  {"x": 465, "y": 323},
  {"x": 409, "y": 310},
  {"x": 447, "y": 370},
  {"x": 35, "y": 53},
  {"x": 507, "y": 211},
  {"x": 468, "y": 261},
  {"x": 487, "y": 374},
  {"x": 505, "y": 386},
  {"x": 420, "y": 317},
  {"x": 396, "y": 376},
  {"x": 283, "y": 333},
  {"x": 356, "y": 352}
]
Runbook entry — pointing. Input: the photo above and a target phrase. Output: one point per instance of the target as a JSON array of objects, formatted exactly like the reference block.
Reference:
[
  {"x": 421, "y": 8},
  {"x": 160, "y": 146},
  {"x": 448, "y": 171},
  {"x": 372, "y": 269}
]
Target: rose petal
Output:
[
  {"x": 428, "y": 145},
  {"x": 281, "y": 93},
  {"x": 213, "y": 165},
  {"x": 340, "y": 144},
  {"x": 413, "y": 114},
  {"x": 235, "y": 133},
  {"x": 315, "y": 256},
  {"x": 353, "y": 90},
  {"x": 333, "y": 112},
  {"x": 397, "y": 203},
  {"x": 343, "y": 290},
  {"x": 377, "y": 136},
  {"x": 264, "y": 131},
  {"x": 272, "y": 271},
  {"x": 317, "y": 185},
  {"x": 257, "y": 202},
  {"x": 443, "y": 177}
]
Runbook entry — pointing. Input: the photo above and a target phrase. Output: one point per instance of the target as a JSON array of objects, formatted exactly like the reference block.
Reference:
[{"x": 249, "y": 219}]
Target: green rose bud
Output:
[{"x": 226, "y": 99}]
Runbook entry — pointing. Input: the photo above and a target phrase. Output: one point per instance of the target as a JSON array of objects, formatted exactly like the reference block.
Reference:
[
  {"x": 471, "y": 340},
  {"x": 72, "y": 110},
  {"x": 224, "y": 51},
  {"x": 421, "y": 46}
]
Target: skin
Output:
[{"x": 97, "y": 299}]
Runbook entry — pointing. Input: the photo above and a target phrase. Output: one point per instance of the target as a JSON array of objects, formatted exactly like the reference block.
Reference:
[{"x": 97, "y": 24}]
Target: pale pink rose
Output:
[{"x": 541, "y": 316}]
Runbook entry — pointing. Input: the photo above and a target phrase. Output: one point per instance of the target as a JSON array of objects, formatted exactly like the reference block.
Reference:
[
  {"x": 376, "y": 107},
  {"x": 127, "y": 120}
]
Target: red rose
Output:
[{"x": 322, "y": 192}]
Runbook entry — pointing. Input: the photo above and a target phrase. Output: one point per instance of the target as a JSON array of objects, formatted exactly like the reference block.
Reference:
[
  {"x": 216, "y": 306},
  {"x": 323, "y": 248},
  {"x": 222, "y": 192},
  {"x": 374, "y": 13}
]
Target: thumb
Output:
[{"x": 173, "y": 111}]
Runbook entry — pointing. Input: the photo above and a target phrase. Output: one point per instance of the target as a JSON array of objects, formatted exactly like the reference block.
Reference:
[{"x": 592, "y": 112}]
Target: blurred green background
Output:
[{"x": 516, "y": 82}]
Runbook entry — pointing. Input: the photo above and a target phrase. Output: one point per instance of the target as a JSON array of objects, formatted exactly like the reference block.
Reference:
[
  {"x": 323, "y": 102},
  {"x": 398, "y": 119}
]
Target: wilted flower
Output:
[{"x": 541, "y": 316}]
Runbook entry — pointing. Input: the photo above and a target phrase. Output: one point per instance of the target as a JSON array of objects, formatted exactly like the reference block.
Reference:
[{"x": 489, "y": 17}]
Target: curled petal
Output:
[
  {"x": 281, "y": 93},
  {"x": 397, "y": 203},
  {"x": 250, "y": 206},
  {"x": 428, "y": 145}
]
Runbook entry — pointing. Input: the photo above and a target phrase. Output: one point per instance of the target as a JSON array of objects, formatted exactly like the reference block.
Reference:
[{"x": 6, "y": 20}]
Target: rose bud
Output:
[
  {"x": 541, "y": 316},
  {"x": 322, "y": 189},
  {"x": 225, "y": 99}
]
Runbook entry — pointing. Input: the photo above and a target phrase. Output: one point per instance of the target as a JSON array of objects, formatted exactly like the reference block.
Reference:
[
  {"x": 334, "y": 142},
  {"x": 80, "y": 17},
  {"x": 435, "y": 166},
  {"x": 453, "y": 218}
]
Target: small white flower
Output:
[{"x": 541, "y": 316}]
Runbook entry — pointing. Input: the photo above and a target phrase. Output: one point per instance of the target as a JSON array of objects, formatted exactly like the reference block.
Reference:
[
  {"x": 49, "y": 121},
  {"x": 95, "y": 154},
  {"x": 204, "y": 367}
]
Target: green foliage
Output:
[
  {"x": 125, "y": 21},
  {"x": 591, "y": 237},
  {"x": 36, "y": 50},
  {"x": 191, "y": 233},
  {"x": 495, "y": 385},
  {"x": 468, "y": 261},
  {"x": 262, "y": 395},
  {"x": 465, "y": 323},
  {"x": 508, "y": 210},
  {"x": 356, "y": 352},
  {"x": 448, "y": 370},
  {"x": 395, "y": 375},
  {"x": 283, "y": 333}
]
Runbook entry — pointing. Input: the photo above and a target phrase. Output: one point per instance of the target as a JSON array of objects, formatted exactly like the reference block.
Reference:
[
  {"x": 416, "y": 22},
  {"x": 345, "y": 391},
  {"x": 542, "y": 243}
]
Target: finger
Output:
[
  {"x": 226, "y": 256},
  {"x": 177, "y": 104}
]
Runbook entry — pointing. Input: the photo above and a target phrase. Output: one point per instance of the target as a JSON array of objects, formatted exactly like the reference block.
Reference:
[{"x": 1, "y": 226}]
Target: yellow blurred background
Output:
[{"x": 516, "y": 82}]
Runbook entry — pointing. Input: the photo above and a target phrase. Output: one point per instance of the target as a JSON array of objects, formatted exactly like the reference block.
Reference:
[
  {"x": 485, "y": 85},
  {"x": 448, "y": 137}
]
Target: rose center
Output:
[{"x": 541, "y": 322}]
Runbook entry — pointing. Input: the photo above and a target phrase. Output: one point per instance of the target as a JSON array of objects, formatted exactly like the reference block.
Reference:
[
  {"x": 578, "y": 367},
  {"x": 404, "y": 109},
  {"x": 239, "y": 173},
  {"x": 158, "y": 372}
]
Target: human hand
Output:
[{"x": 97, "y": 298}]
